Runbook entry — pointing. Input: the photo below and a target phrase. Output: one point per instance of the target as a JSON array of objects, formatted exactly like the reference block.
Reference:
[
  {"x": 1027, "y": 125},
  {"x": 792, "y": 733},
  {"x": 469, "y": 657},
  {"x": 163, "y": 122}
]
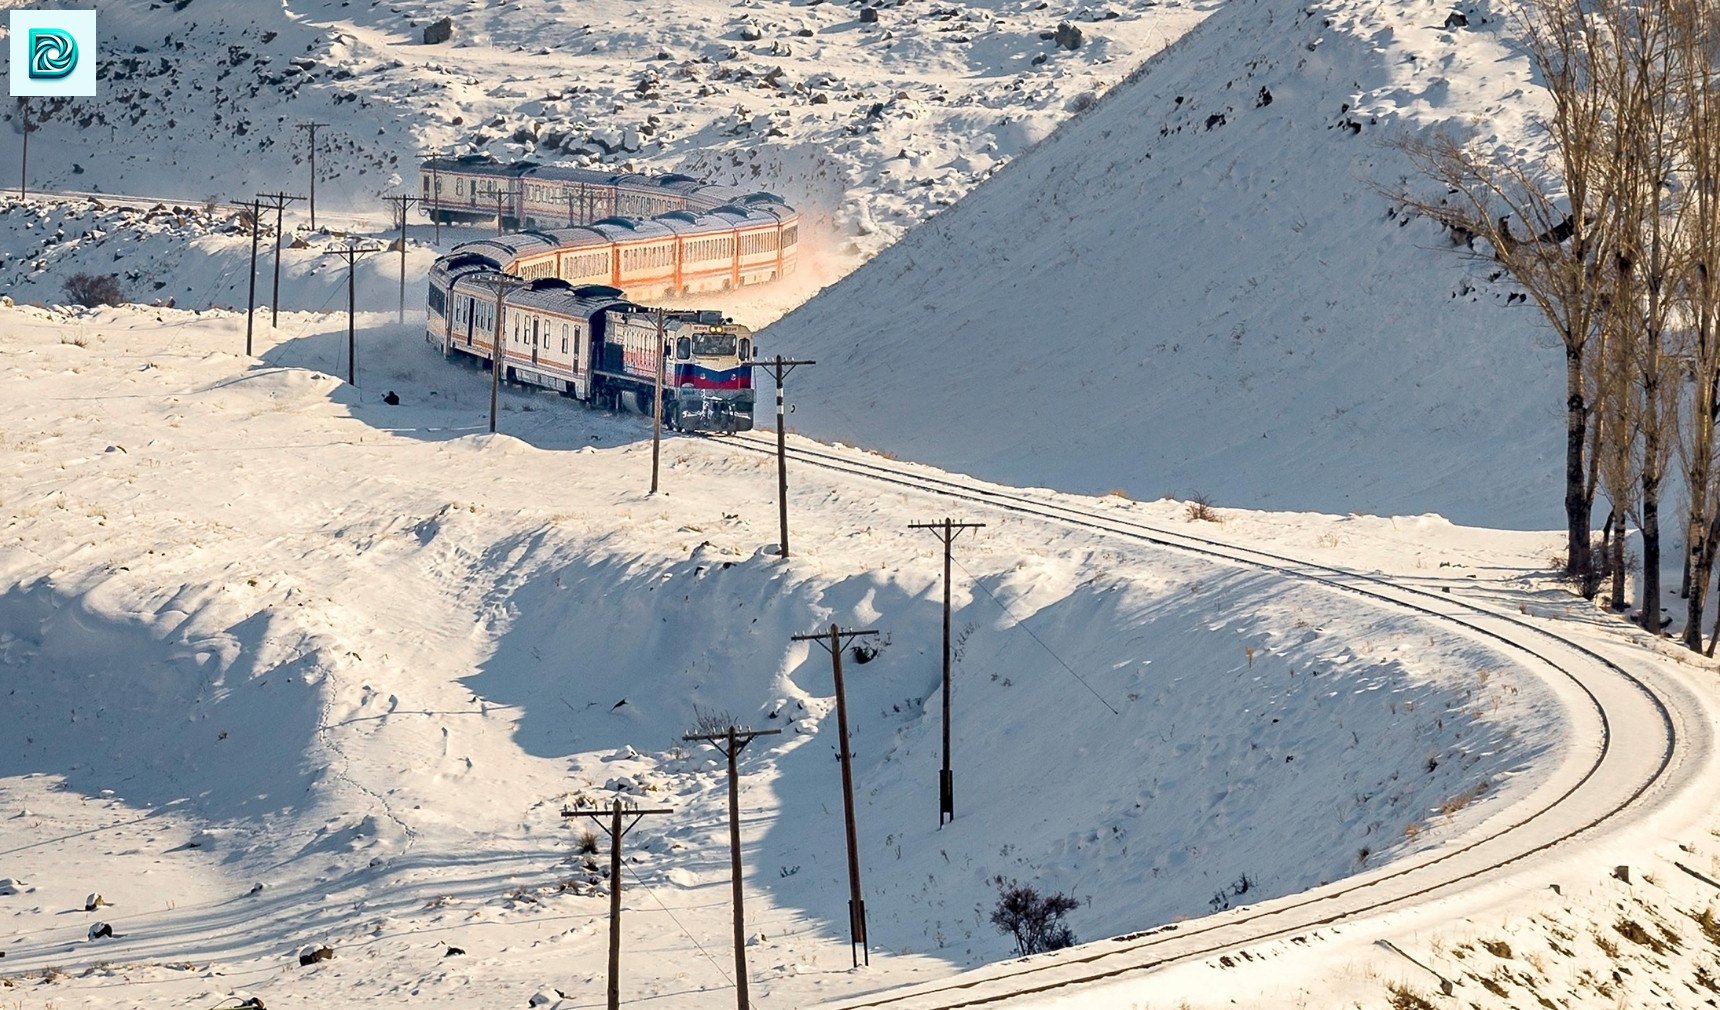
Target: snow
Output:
[
  {"x": 1202, "y": 286},
  {"x": 364, "y": 655},
  {"x": 288, "y": 667}
]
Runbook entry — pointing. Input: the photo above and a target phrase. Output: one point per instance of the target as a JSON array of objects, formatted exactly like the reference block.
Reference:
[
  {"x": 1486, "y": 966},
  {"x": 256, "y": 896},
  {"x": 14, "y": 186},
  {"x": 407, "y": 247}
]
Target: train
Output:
[
  {"x": 586, "y": 249},
  {"x": 649, "y": 236},
  {"x": 591, "y": 343}
]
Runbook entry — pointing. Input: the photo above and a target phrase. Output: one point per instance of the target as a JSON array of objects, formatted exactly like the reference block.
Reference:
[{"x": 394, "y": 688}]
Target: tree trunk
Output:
[
  {"x": 1577, "y": 508},
  {"x": 1619, "y": 603},
  {"x": 1651, "y": 554}
]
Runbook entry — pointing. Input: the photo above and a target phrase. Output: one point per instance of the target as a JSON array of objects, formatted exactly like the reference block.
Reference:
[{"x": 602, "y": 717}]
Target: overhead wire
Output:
[{"x": 1022, "y": 624}]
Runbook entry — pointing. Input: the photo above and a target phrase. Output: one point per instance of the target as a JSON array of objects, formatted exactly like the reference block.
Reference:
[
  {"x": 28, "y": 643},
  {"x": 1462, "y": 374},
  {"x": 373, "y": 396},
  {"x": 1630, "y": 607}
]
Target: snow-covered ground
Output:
[{"x": 262, "y": 629}]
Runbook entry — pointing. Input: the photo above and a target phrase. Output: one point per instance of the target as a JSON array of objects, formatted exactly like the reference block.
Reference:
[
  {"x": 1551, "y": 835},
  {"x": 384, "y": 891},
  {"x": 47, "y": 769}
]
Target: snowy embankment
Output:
[
  {"x": 292, "y": 666},
  {"x": 1201, "y": 286}
]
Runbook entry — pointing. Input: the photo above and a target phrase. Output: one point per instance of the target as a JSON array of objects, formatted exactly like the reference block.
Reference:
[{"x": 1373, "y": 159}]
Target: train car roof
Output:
[
  {"x": 564, "y": 299},
  {"x": 509, "y": 246},
  {"x": 460, "y": 263},
  {"x": 510, "y": 169},
  {"x": 562, "y": 173},
  {"x": 686, "y": 222},
  {"x": 630, "y": 229}
]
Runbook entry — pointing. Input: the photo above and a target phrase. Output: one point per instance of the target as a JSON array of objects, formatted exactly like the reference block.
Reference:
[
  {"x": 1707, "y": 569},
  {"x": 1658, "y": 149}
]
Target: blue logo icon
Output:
[{"x": 53, "y": 54}]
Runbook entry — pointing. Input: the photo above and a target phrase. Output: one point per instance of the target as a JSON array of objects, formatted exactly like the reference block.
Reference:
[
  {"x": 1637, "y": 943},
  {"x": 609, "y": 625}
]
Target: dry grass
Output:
[
  {"x": 1405, "y": 998},
  {"x": 1199, "y": 507},
  {"x": 1498, "y": 948}
]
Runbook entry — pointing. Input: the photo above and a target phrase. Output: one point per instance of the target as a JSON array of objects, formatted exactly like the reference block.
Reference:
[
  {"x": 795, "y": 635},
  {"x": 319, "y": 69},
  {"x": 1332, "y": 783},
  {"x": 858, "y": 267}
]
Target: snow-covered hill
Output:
[
  {"x": 202, "y": 99},
  {"x": 258, "y": 627},
  {"x": 1198, "y": 286}
]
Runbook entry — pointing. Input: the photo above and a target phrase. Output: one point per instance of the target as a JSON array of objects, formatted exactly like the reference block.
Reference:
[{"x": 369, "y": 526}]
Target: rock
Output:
[
  {"x": 310, "y": 957},
  {"x": 9, "y": 885},
  {"x": 99, "y": 930},
  {"x": 751, "y": 32},
  {"x": 438, "y": 32},
  {"x": 1456, "y": 19},
  {"x": 453, "y": 951},
  {"x": 539, "y": 999},
  {"x": 94, "y": 902},
  {"x": 1068, "y": 37},
  {"x": 391, "y": 398},
  {"x": 868, "y": 15}
]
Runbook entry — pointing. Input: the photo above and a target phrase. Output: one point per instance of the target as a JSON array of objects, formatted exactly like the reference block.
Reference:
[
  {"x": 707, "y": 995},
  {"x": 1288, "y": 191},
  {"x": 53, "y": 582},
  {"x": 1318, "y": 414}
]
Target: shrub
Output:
[
  {"x": 1199, "y": 506},
  {"x": 586, "y": 842},
  {"x": 1035, "y": 920},
  {"x": 91, "y": 290}
]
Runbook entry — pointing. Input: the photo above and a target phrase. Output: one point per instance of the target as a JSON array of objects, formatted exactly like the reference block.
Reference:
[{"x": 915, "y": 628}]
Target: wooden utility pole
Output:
[
  {"x": 313, "y": 127},
  {"x": 833, "y": 642},
  {"x": 251, "y": 298},
  {"x": 502, "y": 193},
  {"x": 779, "y": 368},
  {"x": 401, "y": 203},
  {"x": 657, "y": 410},
  {"x": 351, "y": 254},
  {"x": 501, "y": 284},
  {"x": 947, "y": 531},
  {"x": 435, "y": 201},
  {"x": 615, "y": 830},
  {"x": 24, "y": 166},
  {"x": 731, "y": 743},
  {"x": 279, "y": 201}
]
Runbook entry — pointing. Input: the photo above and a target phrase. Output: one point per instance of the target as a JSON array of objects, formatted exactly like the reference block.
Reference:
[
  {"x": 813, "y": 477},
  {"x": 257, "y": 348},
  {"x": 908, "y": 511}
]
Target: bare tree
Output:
[
  {"x": 1697, "y": 293},
  {"x": 1647, "y": 135},
  {"x": 1557, "y": 248}
]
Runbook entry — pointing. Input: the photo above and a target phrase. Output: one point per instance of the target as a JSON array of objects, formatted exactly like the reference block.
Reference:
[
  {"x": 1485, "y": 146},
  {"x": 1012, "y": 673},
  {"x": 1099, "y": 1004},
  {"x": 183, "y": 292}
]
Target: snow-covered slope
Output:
[
  {"x": 201, "y": 99},
  {"x": 258, "y": 627},
  {"x": 1198, "y": 287}
]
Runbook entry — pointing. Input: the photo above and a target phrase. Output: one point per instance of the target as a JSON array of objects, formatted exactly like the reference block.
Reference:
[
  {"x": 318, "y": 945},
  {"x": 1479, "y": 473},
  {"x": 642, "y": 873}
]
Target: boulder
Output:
[{"x": 439, "y": 32}]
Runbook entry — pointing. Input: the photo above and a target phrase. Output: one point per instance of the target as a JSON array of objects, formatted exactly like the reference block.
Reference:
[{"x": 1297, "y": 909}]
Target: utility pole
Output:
[
  {"x": 946, "y": 531},
  {"x": 657, "y": 411},
  {"x": 251, "y": 299},
  {"x": 435, "y": 201},
  {"x": 279, "y": 201},
  {"x": 401, "y": 203},
  {"x": 503, "y": 193},
  {"x": 833, "y": 642},
  {"x": 313, "y": 126},
  {"x": 351, "y": 254},
  {"x": 24, "y": 167},
  {"x": 779, "y": 368},
  {"x": 501, "y": 284},
  {"x": 615, "y": 830},
  {"x": 731, "y": 743}
]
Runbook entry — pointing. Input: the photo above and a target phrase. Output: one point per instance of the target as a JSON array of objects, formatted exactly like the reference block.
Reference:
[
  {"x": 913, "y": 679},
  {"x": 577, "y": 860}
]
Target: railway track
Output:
[{"x": 1596, "y": 786}]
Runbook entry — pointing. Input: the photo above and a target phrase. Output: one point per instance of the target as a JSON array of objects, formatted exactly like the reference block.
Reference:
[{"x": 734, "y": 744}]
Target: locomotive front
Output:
[{"x": 709, "y": 375}]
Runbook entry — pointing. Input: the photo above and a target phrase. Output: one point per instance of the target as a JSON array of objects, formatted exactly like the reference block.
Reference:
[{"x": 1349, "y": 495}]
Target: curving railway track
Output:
[{"x": 1637, "y": 734}]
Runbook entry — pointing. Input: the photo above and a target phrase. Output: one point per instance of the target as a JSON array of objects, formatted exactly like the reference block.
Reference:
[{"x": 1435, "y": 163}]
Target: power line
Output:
[{"x": 1023, "y": 626}]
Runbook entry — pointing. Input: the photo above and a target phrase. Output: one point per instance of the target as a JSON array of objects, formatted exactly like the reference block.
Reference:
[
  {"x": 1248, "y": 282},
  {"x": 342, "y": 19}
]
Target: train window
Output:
[
  {"x": 746, "y": 349},
  {"x": 713, "y": 343},
  {"x": 459, "y": 187},
  {"x": 683, "y": 348}
]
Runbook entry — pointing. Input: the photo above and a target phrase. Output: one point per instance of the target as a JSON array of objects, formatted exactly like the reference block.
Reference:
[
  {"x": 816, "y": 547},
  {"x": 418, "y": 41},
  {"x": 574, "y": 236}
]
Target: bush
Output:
[
  {"x": 91, "y": 290},
  {"x": 1035, "y": 920}
]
